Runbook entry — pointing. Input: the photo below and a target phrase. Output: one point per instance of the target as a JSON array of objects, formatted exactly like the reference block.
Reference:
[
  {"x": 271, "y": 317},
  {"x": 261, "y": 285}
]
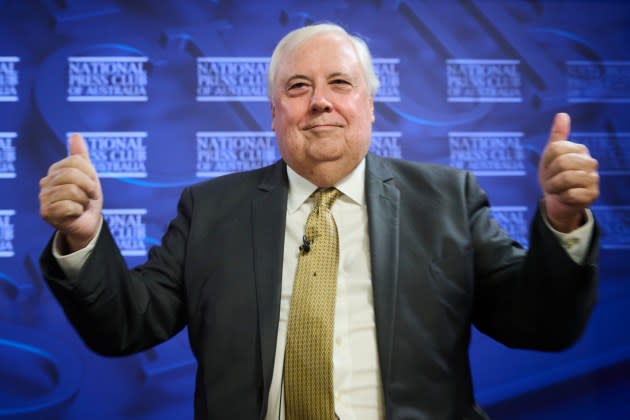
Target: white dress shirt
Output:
[{"x": 356, "y": 375}]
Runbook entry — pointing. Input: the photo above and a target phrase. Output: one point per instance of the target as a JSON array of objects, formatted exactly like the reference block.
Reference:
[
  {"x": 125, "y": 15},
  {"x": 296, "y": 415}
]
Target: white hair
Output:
[{"x": 297, "y": 36}]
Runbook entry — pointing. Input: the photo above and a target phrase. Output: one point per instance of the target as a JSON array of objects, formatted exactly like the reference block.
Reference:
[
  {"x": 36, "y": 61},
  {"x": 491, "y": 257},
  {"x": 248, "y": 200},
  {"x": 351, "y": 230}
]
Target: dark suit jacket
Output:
[{"x": 439, "y": 264}]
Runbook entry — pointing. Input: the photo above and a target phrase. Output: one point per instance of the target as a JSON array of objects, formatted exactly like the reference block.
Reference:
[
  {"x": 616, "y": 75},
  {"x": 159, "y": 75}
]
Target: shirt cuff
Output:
[
  {"x": 577, "y": 241},
  {"x": 72, "y": 263}
]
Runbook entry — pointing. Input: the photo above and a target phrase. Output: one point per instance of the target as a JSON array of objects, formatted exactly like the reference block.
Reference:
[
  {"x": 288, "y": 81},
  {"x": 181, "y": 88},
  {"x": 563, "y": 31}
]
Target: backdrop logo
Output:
[
  {"x": 487, "y": 153},
  {"x": 615, "y": 224},
  {"x": 6, "y": 233},
  {"x": 245, "y": 79},
  {"x": 386, "y": 70},
  {"x": 232, "y": 78},
  {"x": 513, "y": 220},
  {"x": 7, "y": 155},
  {"x": 386, "y": 143},
  {"x": 598, "y": 81},
  {"x": 128, "y": 229},
  {"x": 612, "y": 151},
  {"x": 118, "y": 154},
  {"x": 220, "y": 152},
  {"x": 8, "y": 79},
  {"x": 483, "y": 80},
  {"x": 107, "y": 79}
]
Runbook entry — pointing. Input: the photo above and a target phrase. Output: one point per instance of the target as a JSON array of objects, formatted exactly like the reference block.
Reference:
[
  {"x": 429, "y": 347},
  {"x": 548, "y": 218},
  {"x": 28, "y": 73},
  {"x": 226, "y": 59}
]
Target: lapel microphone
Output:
[{"x": 306, "y": 245}]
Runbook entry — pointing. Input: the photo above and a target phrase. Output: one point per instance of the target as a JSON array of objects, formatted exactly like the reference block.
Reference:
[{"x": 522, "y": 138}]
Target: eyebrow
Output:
[{"x": 342, "y": 74}]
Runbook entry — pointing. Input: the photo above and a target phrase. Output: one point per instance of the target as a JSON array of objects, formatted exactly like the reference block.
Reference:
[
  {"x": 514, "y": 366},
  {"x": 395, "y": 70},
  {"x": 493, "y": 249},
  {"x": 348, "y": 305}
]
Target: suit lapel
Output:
[
  {"x": 383, "y": 201},
  {"x": 268, "y": 225}
]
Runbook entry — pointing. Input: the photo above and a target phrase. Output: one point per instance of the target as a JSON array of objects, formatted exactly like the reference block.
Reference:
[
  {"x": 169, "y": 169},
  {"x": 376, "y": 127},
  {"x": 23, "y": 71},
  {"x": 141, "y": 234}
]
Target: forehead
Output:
[{"x": 326, "y": 53}]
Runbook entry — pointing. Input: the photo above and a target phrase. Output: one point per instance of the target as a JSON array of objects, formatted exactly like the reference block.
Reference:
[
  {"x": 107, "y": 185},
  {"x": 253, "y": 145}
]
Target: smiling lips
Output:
[{"x": 322, "y": 125}]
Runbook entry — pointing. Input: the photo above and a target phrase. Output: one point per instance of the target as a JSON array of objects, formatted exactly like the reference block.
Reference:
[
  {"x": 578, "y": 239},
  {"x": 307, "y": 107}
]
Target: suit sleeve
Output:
[
  {"x": 540, "y": 299},
  {"x": 118, "y": 311}
]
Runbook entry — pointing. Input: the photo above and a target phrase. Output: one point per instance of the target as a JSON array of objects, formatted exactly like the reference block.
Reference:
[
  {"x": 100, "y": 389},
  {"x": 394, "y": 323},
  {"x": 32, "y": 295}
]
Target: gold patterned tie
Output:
[{"x": 308, "y": 356}]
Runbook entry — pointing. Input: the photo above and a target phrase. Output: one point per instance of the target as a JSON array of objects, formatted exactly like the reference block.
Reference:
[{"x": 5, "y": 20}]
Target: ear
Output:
[
  {"x": 372, "y": 109},
  {"x": 273, "y": 115}
]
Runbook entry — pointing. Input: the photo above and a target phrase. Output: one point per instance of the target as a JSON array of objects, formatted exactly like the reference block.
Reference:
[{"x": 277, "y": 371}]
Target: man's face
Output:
[{"x": 322, "y": 112}]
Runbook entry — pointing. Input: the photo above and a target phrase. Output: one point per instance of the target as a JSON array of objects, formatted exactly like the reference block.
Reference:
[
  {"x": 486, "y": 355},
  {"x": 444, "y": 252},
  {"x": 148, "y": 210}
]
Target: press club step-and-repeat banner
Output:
[{"x": 169, "y": 93}]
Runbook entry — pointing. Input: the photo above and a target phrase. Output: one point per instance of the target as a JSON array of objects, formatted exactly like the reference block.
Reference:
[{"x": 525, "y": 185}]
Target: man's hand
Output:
[
  {"x": 70, "y": 197},
  {"x": 568, "y": 178}
]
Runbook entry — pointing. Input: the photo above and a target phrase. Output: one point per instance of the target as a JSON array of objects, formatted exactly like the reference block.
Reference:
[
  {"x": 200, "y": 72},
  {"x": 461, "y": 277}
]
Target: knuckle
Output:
[
  {"x": 570, "y": 195},
  {"x": 595, "y": 177},
  {"x": 573, "y": 194},
  {"x": 595, "y": 164},
  {"x": 75, "y": 190},
  {"x": 564, "y": 178},
  {"x": 69, "y": 211},
  {"x": 42, "y": 196},
  {"x": 74, "y": 160}
]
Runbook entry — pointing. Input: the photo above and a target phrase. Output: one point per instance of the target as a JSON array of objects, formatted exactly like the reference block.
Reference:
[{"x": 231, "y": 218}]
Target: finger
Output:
[
  {"x": 568, "y": 180},
  {"x": 60, "y": 211},
  {"x": 69, "y": 192},
  {"x": 572, "y": 162},
  {"x": 72, "y": 175},
  {"x": 559, "y": 148},
  {"x": 77, "y": 146},
  {"x": 74, "y": 162},
  {"x": 560, "y": 127},
  {"x": 579, "y": 197}
]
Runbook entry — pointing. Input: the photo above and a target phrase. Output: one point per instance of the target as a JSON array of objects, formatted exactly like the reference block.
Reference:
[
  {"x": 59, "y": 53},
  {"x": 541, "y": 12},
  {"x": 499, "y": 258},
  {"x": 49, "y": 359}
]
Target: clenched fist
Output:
[
  {"x": 70, "y": 197},
  {"x": 568, "y": 177}
]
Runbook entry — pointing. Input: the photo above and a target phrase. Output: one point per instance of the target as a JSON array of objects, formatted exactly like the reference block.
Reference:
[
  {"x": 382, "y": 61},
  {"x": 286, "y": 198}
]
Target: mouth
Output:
[{"x": 322, "y": 126}]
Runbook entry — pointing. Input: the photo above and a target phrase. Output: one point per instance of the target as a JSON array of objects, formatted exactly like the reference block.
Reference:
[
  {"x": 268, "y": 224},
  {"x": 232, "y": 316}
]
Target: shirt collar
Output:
[{"x": 352, "y": 187}]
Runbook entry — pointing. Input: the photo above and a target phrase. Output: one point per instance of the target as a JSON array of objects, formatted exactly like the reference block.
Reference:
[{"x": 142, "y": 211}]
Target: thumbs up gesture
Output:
[
  {"x": 568, "y": 177},
  {"x": 70, "y": 196}
]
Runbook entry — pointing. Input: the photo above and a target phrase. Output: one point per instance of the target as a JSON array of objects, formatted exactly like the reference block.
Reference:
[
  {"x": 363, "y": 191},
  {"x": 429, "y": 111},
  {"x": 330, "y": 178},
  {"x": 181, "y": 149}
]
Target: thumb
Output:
[
  {"x": 560, "y": 128},
  {"x": 77, "y": 146}
]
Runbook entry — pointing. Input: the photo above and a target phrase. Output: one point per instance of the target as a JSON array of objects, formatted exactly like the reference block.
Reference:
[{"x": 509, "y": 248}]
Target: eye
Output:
[
  {"x": 341, "y": 85},
  {"x": 297, "y": 85}
]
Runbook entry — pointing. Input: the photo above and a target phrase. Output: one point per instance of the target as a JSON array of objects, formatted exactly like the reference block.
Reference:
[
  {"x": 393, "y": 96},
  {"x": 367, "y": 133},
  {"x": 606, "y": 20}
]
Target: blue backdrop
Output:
[{"x": 169, "y": 93}]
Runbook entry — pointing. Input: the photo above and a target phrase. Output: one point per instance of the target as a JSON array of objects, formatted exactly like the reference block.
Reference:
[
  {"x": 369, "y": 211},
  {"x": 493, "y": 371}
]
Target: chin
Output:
[
  {"x": 327, "y": 154},
  {"x": 327, "y": 158}
]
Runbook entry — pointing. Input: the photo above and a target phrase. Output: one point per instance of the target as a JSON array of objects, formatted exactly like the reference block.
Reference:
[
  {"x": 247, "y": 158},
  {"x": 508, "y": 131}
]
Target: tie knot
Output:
[{"x": 327, "y": 197}]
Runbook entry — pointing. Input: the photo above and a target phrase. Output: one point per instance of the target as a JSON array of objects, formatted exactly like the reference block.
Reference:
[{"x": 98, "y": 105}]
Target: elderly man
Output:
[{"x": 333, "y": 283}]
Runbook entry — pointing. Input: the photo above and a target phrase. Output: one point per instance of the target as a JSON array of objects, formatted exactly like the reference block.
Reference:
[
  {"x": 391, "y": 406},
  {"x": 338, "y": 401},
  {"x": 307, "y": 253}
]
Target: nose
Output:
[{"x": 319, "y": 102}]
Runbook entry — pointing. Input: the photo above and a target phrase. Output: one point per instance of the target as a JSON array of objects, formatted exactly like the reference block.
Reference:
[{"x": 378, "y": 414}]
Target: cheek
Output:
[
  {"x": 291, "y": 145},
  {"x": 285, "y": 127},
  {"x": 363, "y": 120},
  {"x": 361, "y": 112},
  {"x": 362, "y": 131}
]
